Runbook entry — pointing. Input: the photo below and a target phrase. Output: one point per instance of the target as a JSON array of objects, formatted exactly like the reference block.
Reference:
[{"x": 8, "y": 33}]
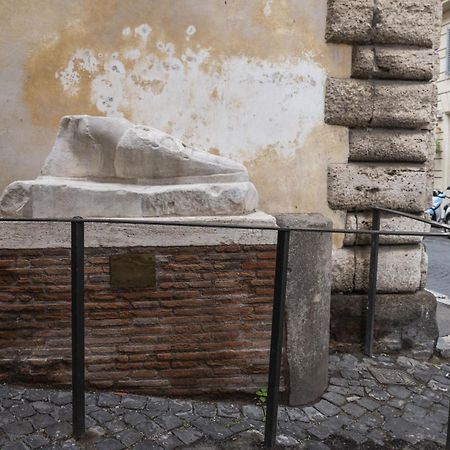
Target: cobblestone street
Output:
[{"x": 357, "y": 411}]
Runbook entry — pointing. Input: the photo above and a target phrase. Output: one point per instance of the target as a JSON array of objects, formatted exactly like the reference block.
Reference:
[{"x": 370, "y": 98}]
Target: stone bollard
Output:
[{"x": 307, "y": 307}]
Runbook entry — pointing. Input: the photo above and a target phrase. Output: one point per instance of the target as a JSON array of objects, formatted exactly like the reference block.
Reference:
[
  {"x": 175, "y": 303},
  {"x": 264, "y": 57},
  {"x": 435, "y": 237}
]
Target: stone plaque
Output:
[
  {"x": 133, "y": 270},
  {"x": 392, "y": 376}
]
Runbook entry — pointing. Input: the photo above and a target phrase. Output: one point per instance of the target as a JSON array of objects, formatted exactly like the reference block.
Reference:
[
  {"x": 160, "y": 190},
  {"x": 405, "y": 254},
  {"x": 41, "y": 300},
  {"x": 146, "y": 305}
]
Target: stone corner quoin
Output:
[{"x": 389, "y": 106}]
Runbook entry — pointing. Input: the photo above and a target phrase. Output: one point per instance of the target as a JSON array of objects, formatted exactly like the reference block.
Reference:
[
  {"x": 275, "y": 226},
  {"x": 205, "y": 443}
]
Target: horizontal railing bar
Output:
[
  {"x": 232, "y": 226},
  {"x": 412, "y": 216}
]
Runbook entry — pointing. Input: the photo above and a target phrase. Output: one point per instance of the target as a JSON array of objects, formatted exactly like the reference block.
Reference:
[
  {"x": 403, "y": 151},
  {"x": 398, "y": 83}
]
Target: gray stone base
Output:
[{"x": 403, "y": 322}]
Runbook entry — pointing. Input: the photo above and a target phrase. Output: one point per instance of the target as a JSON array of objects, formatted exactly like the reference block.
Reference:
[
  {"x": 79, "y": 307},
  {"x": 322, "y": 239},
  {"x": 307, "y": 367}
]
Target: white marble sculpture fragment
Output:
[{"x": 108, "y": 167}]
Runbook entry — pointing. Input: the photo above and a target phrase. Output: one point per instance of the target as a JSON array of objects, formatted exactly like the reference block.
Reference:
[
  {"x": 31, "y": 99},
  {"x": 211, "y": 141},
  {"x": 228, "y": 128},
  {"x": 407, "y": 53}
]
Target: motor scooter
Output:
[{"x": 436, "y": 212}]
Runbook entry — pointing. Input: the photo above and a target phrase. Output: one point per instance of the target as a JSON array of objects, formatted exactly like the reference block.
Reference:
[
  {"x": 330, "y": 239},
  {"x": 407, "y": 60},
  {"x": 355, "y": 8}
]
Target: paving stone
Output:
[
  {"x": 397, "y": 403},
  {"x": 59, "y": 430},
  {"x": 14, "y": 446},
  {"x": 129, "y": 437},
  {"x": 298, "y": 429},
  {"x": 353, "y": 436},
  {"x": 401, "y": 429},
  {"x": 438, "y": 416},
  {"x": 297, "y": 414},
  {"x": 372, "y": 420},
  {"x": 354, "y": 410},
  {"x": 42, "y": 407},
  {"x": 377, "y": 436},
  {"x": 380, "y": 394},
  {"x": 313, "y": 414},
  {"x": 40, "y": 421},
  {"x": 327, "y": 408},
  {"x": 286, "y": 441},
  {"x": 95, "y": 432},
  {"x": 108, "y": 400},
  {"x": 368, "y": 403},
  {"x": 22, "y": 411},
  {"x": 6, "y": 417},
  {"x": 169, "y": 441},
  {"x": 415, "y": 410},
  {"x": 335, "y": 398},
  {"x": 358, "y": 427},
  {"x": 438, "y": 386},
  {"x": 62, "y": 412},
  {"x": 61, "y": 398},
  {"x": 134, "y": 417},
  {"x": 15, "y": 393},
  {"x": 179, "y": 406},
  {"x": 432, "y": 395},
  {"x": 109, "y": 444},
  {"x": 156, "y": 405},
  {"x": 149, "y": 428},
  {"x": 350, "y": 374},
  {"x": 316, "y": 446},
  {"x": 15, "y": 429},
  {"x": 399, "y": 391},
  {"x": 339, "y": 390},
  {"x": 169, "y": 422},
  {"x": 208, "y": 409},
  {"x": 148, "y": 445},
  {"x": 116, "y": 426},
  {"x": 133, "y": 402},
  {"x": 389, "y": 411},
  {"x": 339, "y": 381},
  {"x": 91, "y": 398},
  {"x": 257, "y": 413},
  {"x": 34, "y": 395},
  {"x": 35, "y": 440},
  {"x": 320, "y": 431},
  {"x": 215, "y": 429},
  {"x": 187, "y": 435},
  {"x": 228, "y": 410}
]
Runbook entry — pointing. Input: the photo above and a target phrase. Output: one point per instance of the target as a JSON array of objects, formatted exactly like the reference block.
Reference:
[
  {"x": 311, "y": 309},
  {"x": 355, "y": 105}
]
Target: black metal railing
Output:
[{"x": 282, "y": 253}]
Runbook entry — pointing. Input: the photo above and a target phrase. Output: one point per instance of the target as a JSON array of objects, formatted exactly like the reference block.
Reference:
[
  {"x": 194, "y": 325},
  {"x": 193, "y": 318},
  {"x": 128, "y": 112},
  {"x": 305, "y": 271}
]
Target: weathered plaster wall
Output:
[{"x": 240, "y": 78}]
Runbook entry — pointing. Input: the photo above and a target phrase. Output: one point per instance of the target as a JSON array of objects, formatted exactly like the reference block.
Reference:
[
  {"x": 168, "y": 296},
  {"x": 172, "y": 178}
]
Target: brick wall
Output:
[{"x": 204, "y": 329}]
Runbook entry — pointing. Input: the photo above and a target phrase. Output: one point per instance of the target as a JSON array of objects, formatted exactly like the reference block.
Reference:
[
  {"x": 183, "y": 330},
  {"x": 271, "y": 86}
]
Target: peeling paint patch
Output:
[
  {"x": 267, "y": 8},
  {"x": 249, "y": 102}
]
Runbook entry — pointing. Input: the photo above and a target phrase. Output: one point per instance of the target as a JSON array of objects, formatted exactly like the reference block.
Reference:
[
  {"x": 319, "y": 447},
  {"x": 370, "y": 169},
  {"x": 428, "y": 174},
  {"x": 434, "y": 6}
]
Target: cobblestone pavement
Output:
[{"x": 357, "y": 411}]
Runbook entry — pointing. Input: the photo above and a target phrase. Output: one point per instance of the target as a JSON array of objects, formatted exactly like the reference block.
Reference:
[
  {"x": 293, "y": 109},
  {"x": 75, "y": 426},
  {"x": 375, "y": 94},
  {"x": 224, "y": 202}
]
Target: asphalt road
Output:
[{"x": 438, "y": 280}]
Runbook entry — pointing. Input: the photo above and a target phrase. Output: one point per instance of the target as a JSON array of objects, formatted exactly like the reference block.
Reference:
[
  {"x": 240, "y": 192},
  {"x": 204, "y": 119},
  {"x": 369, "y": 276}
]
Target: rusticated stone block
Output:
[
  {"x": 402, "y": 321},
  {"x": 361, "y": 103},
  {"x": 399, "y": 269},
  {"x": 359, "y": 187},
  {"x": 343, "y": 270},
  {"x": 390, "y": 145},
  {"x": 388, "y": 222},
  {"x": 349, "y": 21},
  {"x": 394, "y": 63},
  {"x": 403, "y": 105},
  {"x": 348, "y": 102},
  {"x": 410, "y": 22}
]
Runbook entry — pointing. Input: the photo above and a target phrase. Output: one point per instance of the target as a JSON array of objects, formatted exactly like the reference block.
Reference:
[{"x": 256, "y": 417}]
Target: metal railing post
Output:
[
  {"x": 276, "y": 344},
  {"x": 78, "y": 388},
  {"x": 373, "y": 270}
]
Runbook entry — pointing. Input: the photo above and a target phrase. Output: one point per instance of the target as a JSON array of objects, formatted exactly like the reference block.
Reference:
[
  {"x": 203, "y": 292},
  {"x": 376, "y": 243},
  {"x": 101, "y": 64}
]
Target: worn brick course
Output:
[{"x": 204, "y": 329}]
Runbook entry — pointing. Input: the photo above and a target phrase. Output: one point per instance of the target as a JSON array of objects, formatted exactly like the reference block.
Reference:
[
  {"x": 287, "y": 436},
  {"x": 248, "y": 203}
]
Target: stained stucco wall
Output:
[{"x": 240, "y": 78}]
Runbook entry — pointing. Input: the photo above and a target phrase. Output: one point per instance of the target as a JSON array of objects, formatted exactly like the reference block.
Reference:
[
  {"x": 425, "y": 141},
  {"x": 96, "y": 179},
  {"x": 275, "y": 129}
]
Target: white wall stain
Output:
[
  {"x": 267, "y": 8},
  {"x": 235, "y": 104},
  {"x": 82, "y": 60}
]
